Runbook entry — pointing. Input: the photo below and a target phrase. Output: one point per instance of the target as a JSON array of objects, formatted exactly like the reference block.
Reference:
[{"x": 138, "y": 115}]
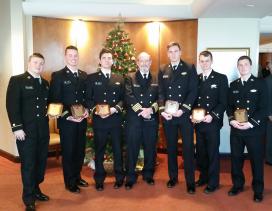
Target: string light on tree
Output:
[{"x": 123, "y": 50}]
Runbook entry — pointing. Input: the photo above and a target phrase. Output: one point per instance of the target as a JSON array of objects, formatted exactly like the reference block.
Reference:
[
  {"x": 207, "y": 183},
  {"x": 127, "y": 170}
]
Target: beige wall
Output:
[{"x": 11, "y": 36}]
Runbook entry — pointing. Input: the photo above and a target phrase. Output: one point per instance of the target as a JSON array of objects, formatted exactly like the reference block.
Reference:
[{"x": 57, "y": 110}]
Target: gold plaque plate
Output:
[
  {"x": 77, "y": 111},
  {"x": 240, "y": 115},
  {"x": 171, "y": 106},
  {"x": 55, "y": 109},
  {"x": 198, "y": 114},
  {"x": 103, "y": 109}
]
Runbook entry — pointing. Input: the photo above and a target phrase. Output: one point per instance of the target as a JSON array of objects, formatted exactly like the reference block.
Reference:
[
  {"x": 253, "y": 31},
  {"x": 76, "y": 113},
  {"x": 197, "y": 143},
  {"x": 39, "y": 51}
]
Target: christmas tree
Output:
[{"x": 123, "y": 52}]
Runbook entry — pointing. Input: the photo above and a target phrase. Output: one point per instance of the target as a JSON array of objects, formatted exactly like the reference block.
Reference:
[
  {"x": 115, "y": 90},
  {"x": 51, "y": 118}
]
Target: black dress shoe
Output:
[
  {"x": 73, "y": 189},
  {"x": 150, "y": 181},
  {"x": 268, "y": 163},
  {"x": 99, "y": 186},
  {"x": 82, "y": 183},
  {"x": 210, "y": 189},
  {"x": 129, "y": 185},
  {"x": 191, "y": 189},
  {"x": 118, "y": 184},
  {"x": 41, "y": 197},
  {"x": 171, "y": 183},
  {"x": 234, "y": 191},
  {"x": 258, "y": 197},
  {"x": 200, "y": 183},
  {"x": 30, "y": 207}
]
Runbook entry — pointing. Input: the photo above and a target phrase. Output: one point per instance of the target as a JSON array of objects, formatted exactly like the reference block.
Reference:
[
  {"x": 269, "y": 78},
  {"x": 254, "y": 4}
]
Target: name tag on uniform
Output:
[
  {"x": 117, "y": 83},
  {"x": 136, "y": 85},
  {"x": 165, "y": 76},
  {"x": 29, "y": 87},
  {"x": 154, "y": 85},
  {"x": 253, "y": 90},
  {"x": 235, "y": 91},
  {"x": 148, "y": 120},
  {"x": 184, "y": 73},
  {"x": 67, "y": 82},
  {"x": 98, "y": 83},
  {"x": 213, "y": 86}
]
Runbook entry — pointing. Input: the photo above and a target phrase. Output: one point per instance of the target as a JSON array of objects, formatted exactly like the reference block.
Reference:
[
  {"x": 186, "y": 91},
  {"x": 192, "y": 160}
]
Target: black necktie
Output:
[
  {"x": 174, "y": 67},
  {"x": 38, "y": 81},
  {"x": 75, "y": 74},
  {"x": 205, "y": 78},
  {"x": 145, "y": 76},
  {"x": 244, "y": 83},
  {"x": 107, "y": 75}
]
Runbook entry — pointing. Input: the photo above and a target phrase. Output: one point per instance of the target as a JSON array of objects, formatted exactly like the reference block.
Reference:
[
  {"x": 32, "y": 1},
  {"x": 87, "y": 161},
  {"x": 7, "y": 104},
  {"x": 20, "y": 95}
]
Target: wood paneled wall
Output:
[
  {"x": 265, "y": 38},
  {"x": 51, "y": 36}
]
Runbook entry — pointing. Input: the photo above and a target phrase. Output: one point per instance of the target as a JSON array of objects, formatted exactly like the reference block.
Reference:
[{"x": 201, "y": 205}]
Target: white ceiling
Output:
[
  {"x": 238, "y": 9},
  {"x": 149, "y": 10}
]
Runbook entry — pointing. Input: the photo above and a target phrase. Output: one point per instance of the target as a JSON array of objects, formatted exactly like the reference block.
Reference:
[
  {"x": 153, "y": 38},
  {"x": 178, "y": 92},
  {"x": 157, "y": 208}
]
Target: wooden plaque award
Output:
[
  {"x": 54, "y": 109},
  {"x": 198, "y": 114},
  {"x": 103, "y": 109},
  {"x": 171, "y": 106},
  {"x": 77, "y": 111},
  {"x": 240, "y": 115}
]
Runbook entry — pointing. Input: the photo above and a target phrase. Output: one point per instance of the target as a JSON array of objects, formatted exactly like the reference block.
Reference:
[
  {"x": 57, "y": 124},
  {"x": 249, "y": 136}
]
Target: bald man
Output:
[{"x": 141, "y": 95}]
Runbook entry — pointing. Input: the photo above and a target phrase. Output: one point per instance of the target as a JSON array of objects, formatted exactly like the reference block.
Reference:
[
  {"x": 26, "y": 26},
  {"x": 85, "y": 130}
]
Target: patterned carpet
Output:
[{"x": 141, "y": 198}]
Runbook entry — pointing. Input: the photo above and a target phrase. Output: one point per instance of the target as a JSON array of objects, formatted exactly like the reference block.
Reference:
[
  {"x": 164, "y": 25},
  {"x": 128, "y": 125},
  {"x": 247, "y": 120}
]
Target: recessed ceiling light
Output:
[{"x": 250, "y": 5}]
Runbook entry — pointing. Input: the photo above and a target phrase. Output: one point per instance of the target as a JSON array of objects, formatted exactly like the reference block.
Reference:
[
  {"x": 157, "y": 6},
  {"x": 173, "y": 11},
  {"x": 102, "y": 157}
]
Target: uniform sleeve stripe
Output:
[
  {"x": 216, "y": 115},
  {"x": 186, "y": 106},
  {"x": 92, "y": 110},
  {"x": 161, "y": 108},
  {"x": 155, "y": 106},
  {"x": 64, "y": 113},
  {"x": 254, "y": 121},
  {"x": 119, "y": 107},
  {"x": 16, "y": 126}
]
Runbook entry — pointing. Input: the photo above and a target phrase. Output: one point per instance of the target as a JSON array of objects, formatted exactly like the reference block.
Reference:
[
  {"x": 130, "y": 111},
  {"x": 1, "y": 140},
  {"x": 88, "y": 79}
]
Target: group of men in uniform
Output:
[{"x": 144, "y": 95}]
